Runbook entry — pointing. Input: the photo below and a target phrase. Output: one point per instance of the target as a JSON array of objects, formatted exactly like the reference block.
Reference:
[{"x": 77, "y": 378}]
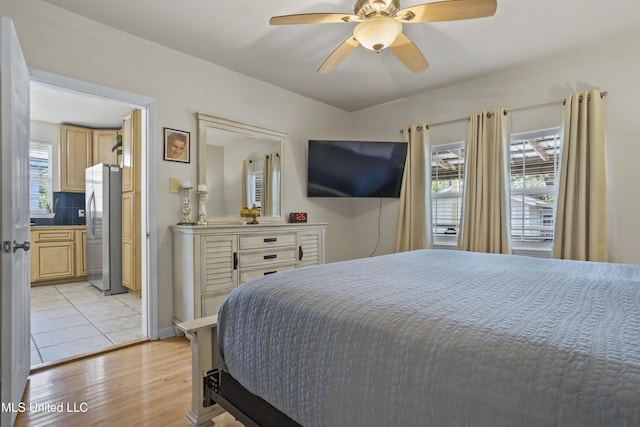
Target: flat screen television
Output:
[{"x": 355, "y": 168}]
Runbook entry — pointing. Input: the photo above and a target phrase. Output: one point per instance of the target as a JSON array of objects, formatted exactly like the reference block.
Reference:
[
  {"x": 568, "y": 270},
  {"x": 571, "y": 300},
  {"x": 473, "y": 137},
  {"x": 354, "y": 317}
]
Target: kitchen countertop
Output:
[{"x": 49, "y": 227}]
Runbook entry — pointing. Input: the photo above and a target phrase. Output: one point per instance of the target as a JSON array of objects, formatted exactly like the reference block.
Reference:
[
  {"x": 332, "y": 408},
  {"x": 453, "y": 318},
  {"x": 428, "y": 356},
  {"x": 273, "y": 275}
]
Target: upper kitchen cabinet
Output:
[
  {"x": 80, "y": 148},
  {"x": 75, "y": 157},
  {"x": 132, "y": 202},
  {"x": 131, "y": 151},
  {"x": 103, "y": 142}
]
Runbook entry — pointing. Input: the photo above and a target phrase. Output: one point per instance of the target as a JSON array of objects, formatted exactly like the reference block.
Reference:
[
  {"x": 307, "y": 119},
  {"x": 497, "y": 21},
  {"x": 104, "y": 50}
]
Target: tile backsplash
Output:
[{"x": 66, "y": 206}]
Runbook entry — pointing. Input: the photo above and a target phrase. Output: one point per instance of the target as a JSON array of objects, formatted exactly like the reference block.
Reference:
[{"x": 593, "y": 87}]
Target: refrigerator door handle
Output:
[{"x": 91, "y": 213}]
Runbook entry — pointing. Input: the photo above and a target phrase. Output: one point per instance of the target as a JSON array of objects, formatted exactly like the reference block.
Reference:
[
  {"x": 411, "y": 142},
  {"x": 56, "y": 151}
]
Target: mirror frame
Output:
[{"x": 208, "y": 121}]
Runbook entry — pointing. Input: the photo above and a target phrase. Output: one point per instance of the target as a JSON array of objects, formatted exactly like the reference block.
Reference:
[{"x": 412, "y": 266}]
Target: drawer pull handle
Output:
[
  {"x": 270, "y": 239},
  {"x": 300, "y": 253},
  {"x": 235, "y": 260},
  {"x": 270, "y": 272},
  {"x": 274, "y": 256}
]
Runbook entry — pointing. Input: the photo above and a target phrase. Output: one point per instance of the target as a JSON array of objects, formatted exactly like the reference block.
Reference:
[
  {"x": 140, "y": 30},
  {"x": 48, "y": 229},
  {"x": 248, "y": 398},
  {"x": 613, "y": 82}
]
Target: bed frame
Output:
[
  {"x": 214, "y": 391},
  {"x": 251, "y": 410}
]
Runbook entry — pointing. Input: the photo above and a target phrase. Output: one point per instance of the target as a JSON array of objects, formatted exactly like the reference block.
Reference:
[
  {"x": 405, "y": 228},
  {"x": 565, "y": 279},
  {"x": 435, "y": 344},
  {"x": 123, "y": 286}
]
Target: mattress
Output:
[{"x": 441, "y": 338}]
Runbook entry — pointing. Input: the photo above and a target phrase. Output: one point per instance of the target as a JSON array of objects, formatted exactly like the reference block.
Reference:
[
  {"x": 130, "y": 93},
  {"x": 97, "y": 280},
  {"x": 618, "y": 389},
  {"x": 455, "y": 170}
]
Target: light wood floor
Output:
[{"x": 147, "y": 384}]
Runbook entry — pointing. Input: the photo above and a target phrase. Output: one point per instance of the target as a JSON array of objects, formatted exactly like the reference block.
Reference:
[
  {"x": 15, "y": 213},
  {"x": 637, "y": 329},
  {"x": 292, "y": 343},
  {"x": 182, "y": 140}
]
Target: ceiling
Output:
[
  {"x": 236, "y": 34},
  {"x": 50, "y": 104}
]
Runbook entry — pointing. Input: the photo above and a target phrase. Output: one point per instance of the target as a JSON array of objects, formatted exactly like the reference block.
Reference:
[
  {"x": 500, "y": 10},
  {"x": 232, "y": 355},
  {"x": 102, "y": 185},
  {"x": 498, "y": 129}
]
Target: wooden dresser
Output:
[{"x": 209, "y": 261}]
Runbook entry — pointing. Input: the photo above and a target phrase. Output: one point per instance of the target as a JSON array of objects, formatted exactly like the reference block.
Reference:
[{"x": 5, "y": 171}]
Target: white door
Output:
[{"x": 14, "y": 222}]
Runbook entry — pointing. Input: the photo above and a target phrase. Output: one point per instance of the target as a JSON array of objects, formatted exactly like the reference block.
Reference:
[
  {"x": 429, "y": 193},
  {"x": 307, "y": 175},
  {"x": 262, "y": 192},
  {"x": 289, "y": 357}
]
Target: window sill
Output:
[{"x": 42, "y": 214}]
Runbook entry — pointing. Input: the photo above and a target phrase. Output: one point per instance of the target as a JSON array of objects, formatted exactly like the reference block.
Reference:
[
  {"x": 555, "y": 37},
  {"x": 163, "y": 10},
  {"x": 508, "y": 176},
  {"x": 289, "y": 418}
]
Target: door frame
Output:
[{"x": 149, "y": 194}]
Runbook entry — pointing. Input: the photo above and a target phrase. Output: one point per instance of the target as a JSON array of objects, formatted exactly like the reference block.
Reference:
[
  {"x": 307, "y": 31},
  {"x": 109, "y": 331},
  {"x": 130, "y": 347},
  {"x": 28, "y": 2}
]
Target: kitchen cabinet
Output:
[
  {"x": 130, "y": 270},
  {"x": 75, "y": 157},
  {"x": 103, "y": 141},
  {"x": 132, "y": 202},
  {"x": 80, "y": 148},
  {"x": 57, "y": 254},
  {"x": 81, "y": 252},
  {"x": 210, "y": 261}
]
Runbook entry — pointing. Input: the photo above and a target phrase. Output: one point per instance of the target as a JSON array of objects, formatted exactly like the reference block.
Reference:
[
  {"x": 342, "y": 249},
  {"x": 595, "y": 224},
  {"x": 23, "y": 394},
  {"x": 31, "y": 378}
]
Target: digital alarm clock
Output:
[{"x": 298, "y": 217}]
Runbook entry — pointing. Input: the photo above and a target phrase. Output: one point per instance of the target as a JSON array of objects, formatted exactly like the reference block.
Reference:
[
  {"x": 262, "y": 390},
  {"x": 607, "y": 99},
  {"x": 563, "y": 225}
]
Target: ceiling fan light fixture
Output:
[{"x": 377, "y": 32}]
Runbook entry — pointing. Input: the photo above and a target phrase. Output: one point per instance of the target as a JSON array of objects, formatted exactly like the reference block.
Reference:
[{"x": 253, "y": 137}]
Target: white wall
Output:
[
  {"x": 611, "y": 65},
  {"x": 56, "y": 41}
]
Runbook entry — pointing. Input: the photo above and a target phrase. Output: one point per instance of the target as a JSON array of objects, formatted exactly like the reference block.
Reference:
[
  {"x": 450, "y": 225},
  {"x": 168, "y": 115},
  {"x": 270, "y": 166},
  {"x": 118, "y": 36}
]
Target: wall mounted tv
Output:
[{"x": 355, "y": 168}]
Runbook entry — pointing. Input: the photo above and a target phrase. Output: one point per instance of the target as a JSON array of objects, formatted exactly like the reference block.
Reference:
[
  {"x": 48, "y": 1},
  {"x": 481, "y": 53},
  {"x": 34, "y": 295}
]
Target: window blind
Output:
[
  {"x": 534, "y": 171},
  {"x": 40, "y": 176},
  {"x": 447, "y": 174}
]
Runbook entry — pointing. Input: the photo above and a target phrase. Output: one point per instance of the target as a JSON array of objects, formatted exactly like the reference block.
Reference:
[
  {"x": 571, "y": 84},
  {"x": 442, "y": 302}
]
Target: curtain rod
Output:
[{"x": 525, "y": 107}]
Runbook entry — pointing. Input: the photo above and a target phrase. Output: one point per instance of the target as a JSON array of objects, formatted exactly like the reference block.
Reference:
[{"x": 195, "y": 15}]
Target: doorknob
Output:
[{"x": 26, "y": 246}]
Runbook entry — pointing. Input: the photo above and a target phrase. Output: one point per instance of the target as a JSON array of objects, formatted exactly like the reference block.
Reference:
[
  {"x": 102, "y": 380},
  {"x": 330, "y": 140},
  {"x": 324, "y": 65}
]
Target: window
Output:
[
  {"x": 255, "y": 187},
  {"x": 447, "y": 173},
  {"x": 40, "y": 186},
  {"x": 534, "y": 172}
]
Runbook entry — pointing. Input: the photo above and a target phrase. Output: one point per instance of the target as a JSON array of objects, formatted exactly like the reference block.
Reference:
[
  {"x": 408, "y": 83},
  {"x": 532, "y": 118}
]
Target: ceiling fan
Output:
[{"x": 380, "y": 26}]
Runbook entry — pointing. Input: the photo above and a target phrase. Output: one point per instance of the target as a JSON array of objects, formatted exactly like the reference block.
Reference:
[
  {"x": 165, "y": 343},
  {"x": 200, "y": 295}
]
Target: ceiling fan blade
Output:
[
  {"x": 449, "y": 10},
  {"x": 409, "y": 54},
  {"x": 314, "y": 18},
  {"x": 338, "y": 55}
]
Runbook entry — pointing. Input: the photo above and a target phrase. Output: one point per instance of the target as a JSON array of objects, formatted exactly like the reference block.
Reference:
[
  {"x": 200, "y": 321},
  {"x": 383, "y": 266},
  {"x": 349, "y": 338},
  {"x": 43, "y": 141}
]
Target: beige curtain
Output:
[
  {"x": 581, "y": 209},
  {"x": 414, "y": 229},
  {"x": 485, "y": 222},
  {"x": 271, "y": 185}
]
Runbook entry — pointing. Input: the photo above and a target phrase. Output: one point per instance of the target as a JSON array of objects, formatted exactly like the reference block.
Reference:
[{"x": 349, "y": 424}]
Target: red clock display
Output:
[{"x": 298, "y": 217}]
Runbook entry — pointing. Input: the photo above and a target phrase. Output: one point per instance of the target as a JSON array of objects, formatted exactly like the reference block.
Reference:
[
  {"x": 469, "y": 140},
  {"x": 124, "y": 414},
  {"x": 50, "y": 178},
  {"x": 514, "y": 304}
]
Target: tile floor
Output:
[{"x": 75, "y": 318}]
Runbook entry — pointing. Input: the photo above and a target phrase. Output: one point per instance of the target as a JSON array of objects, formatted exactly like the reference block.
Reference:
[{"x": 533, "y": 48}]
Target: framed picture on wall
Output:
[{"x": 176, "y": 145}]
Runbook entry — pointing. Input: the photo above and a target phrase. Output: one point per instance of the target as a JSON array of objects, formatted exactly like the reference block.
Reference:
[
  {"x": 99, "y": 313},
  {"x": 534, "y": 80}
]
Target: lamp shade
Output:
[{"x": 377, "y": 32}]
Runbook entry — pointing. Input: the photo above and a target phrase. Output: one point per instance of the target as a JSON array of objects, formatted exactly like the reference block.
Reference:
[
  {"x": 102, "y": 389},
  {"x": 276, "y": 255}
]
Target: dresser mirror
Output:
[{"x": 240, "y": 164}]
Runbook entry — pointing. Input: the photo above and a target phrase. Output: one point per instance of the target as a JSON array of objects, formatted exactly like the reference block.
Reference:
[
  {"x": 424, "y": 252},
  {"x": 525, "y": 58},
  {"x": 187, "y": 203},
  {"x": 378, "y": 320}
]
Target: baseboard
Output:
[{"x": 166, "y": 333}]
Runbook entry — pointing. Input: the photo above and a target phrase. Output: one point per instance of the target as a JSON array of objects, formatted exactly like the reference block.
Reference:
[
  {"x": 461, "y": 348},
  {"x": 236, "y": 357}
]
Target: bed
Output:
[{"x": 434, "y": 338}]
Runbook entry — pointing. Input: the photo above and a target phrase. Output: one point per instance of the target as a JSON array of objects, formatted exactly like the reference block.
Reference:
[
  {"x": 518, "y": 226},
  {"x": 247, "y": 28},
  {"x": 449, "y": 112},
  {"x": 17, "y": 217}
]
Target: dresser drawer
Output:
[
  {"x": 264, "y": 240},
  {"x": 248, "y": 274},
  {"x": 53, "y": 236},
  {"x": 268, "y": 256}
]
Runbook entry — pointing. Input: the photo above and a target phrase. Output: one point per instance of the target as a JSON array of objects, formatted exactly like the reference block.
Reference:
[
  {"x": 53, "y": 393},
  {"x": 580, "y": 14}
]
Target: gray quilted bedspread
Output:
[{"x": 441, "y": 338}]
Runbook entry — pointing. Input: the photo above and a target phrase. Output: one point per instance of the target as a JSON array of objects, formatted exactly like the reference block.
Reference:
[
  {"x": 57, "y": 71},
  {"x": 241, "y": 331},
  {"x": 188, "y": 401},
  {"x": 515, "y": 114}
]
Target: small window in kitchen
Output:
[{"x": 40, "y": 177}]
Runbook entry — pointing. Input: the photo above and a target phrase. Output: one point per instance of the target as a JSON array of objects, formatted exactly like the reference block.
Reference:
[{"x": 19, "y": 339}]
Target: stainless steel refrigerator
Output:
[{"x": 103, "y": 195}]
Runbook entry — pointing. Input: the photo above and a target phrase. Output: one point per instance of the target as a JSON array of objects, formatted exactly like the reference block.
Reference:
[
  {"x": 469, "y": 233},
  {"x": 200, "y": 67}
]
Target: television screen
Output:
[{"x": 355, "y": 168}]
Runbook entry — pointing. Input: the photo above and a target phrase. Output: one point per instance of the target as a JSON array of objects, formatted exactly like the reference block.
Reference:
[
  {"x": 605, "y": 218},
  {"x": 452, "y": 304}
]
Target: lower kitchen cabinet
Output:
[
  {"x": 81, "y": 253},
  {"x": 57, "y": 254}
]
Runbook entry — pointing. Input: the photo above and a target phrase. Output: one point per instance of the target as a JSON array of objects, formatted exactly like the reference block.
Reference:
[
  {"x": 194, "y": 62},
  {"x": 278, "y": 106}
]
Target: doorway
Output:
[{"x": 75, "y": 321}]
